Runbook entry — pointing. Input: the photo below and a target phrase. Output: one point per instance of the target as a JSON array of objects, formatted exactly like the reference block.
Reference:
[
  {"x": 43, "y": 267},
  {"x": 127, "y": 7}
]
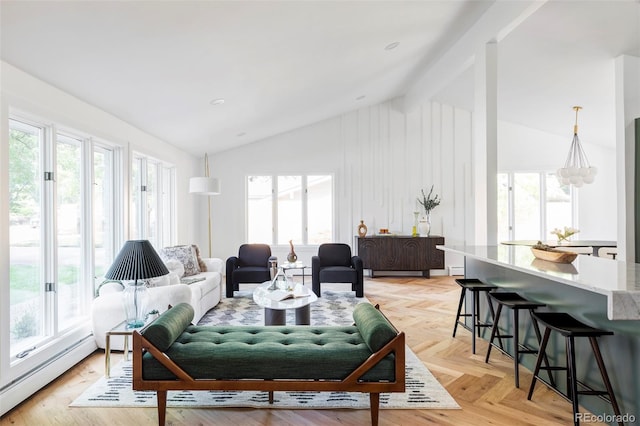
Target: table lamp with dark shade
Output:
[{"x": 136, "y": 261}]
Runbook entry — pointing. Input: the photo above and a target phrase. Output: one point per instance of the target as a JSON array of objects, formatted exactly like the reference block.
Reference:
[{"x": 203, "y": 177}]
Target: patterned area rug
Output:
[{"x": 333, "y": 308}]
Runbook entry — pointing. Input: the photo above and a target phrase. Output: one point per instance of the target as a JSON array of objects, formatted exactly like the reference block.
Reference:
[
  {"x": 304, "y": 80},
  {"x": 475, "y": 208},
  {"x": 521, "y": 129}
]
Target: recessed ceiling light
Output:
[
  {"x": 218, "y": 101},
  {"x": 392, "y": 46},
  {"x": 361, "y": 97}
]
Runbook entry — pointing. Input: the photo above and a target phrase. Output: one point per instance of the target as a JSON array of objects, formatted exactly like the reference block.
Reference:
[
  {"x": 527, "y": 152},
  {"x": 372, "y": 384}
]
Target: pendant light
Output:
[{"x": 576, "y": 170}]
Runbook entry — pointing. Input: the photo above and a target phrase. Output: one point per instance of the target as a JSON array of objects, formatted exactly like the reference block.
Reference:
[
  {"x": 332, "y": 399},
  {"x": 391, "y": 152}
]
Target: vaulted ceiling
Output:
[{"x": 279, "y": 65}]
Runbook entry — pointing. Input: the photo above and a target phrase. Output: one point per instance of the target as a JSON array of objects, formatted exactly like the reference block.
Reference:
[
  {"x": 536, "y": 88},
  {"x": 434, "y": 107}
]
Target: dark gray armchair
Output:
[
  {"x": 334, "y": 264},
  {"x": 252, "y": 265}
]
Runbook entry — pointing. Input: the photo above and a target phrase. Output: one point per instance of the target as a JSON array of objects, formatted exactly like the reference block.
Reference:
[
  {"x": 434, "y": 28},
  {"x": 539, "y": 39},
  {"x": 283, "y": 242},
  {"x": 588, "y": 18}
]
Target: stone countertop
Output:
[{"x": 618, "y": 280}]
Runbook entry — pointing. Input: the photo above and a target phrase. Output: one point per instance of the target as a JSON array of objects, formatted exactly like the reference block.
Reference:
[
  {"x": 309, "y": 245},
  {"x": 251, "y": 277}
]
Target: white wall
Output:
[{"x": 380, "y": 157}]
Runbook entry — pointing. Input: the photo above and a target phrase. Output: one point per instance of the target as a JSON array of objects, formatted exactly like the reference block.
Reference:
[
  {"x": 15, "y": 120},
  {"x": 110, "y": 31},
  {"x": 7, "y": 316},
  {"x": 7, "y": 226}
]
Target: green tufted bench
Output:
[{"x": 172, "y": 354}]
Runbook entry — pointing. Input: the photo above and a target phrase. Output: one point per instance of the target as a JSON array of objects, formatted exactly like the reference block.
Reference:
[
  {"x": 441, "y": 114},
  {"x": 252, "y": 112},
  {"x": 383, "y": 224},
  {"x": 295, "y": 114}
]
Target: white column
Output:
[{"x": 485, "y": 143}]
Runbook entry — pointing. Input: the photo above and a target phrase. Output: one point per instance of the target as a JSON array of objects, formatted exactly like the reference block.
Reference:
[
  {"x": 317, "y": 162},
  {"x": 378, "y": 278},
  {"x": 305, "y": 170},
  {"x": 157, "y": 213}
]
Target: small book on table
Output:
[{"x": 279, "y": 295}]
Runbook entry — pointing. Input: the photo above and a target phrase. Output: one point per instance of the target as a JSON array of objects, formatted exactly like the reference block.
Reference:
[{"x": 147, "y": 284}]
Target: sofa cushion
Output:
[
  {"x": 210, "y": 282},
  {"x": 186, "y": 255},
  {"x": 375, "y": 329},
  {"x": 169, "y": 326}
]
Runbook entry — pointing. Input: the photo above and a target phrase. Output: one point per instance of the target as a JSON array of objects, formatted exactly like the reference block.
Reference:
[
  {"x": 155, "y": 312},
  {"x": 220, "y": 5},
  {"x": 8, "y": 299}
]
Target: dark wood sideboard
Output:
[{"x": 400, "y": 253}]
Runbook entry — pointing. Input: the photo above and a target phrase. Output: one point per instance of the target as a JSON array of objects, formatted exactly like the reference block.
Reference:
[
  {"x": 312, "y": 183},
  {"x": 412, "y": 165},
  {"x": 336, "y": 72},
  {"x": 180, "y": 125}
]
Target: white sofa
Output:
[{"x": 108, "y": 309}]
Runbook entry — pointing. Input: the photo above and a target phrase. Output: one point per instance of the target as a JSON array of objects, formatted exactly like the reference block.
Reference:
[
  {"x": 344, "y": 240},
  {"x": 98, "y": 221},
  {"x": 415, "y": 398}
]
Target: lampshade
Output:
[
  {"x": 204, "y": 185},
  {"x": 576, "y": 171},
  {"x": 137, "y": 260}
]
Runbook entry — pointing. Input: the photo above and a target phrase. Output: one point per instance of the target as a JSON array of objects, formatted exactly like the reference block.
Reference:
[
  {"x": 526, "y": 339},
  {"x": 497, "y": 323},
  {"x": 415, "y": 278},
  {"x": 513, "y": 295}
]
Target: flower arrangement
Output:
[
  {"x": 565, "y": 234},
  {"x": 428, "y": 202}
]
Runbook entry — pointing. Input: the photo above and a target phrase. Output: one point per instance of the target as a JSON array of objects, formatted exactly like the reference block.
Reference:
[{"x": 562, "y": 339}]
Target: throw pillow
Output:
[
  {"x": 186, "y": 255},
  {"x": 158, "y": 282},
  {"x": 201, "y": 264},
  {"x": 175, "y": 266}
]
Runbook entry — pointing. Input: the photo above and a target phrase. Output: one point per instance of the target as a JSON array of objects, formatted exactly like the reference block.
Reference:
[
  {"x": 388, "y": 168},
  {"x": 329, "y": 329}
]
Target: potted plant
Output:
[
  {"x": 153, "y": 314},
  {"x": 563, "y": 235},
  {"x": 428, "y": 203}
]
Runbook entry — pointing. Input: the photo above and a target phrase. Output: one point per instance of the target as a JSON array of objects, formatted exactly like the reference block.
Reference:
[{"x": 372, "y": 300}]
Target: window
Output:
[
  {"x": 531, "y": 205},
  {"x": 70, "y": 180},
  {"x": 63, "y": 217},
  {"x": 152, "y": 201},
  {"x": 26, "y": 268},
  {"x": 260, "y": 209},
  {"x": 289, "y": 210},
  {"x": 105, "y": 204},
  {"x": 320, "y": 209},
  {"x": 290, "y": 207}
]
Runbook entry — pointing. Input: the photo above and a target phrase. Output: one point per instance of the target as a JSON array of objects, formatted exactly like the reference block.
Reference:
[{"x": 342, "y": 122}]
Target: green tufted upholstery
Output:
[{"x": 280, "y": 352}]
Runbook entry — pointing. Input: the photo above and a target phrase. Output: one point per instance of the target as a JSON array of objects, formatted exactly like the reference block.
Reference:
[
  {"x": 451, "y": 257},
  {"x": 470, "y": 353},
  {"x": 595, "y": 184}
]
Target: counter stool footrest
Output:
[
  {"x": 523, "y": 350},
  {"x": 595, "y": 392},
  {"x": 526, "y": 350},
  {"x": 466, "y": 327},
  {"x": 553, "y": 368}
]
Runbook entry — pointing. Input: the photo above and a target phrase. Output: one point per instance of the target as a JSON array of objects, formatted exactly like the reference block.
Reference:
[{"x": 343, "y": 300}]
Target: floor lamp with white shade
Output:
[{"x": 205, "y": 186}]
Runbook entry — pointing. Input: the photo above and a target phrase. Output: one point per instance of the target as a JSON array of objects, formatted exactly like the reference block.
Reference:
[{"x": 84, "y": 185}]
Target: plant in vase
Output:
[
  {"x": 428, "y": 203},
  {"x": 564, "y": 235}
]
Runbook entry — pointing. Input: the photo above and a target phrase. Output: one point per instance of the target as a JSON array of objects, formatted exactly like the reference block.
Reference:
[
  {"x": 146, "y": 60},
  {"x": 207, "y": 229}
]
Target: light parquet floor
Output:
[{"x": 423, "y": 308}]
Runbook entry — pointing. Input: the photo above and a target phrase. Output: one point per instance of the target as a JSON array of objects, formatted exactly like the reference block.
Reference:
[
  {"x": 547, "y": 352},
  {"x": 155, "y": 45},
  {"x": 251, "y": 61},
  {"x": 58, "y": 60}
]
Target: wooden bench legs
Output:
[
  {"x": 374, "y": 401},
  {"x": 162, "y": 406}
]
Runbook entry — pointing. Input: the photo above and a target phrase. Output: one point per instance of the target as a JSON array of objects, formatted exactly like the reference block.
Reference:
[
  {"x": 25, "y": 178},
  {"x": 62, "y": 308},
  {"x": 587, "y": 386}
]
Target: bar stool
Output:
[
  {"x": 571, "y": 328},
  {"x": 475, "y": 286},
  {"x": 516, "y": 303}
]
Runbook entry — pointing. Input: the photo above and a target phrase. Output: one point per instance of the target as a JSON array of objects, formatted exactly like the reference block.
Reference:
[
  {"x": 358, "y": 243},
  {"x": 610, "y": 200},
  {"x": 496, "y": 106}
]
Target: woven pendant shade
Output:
[{"x": 137, "y": 260}]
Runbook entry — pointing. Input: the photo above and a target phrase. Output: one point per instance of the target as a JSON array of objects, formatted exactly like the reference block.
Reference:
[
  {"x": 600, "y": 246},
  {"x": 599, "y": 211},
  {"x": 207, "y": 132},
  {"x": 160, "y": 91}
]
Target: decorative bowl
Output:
[{"x": 557, "y": 256}]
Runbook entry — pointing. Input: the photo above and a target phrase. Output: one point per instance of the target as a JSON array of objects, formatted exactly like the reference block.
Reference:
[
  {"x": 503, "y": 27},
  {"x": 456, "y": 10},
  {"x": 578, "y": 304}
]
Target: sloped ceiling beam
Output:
[{"x": 494, "y": 25}]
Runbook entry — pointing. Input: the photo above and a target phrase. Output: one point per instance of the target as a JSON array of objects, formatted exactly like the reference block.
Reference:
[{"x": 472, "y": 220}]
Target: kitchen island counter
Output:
[{"x": 617, "y": 280}]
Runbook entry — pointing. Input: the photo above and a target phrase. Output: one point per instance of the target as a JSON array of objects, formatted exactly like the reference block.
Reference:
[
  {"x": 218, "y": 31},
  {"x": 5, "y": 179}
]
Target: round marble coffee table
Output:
[{"x": 275, "y": 312}]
